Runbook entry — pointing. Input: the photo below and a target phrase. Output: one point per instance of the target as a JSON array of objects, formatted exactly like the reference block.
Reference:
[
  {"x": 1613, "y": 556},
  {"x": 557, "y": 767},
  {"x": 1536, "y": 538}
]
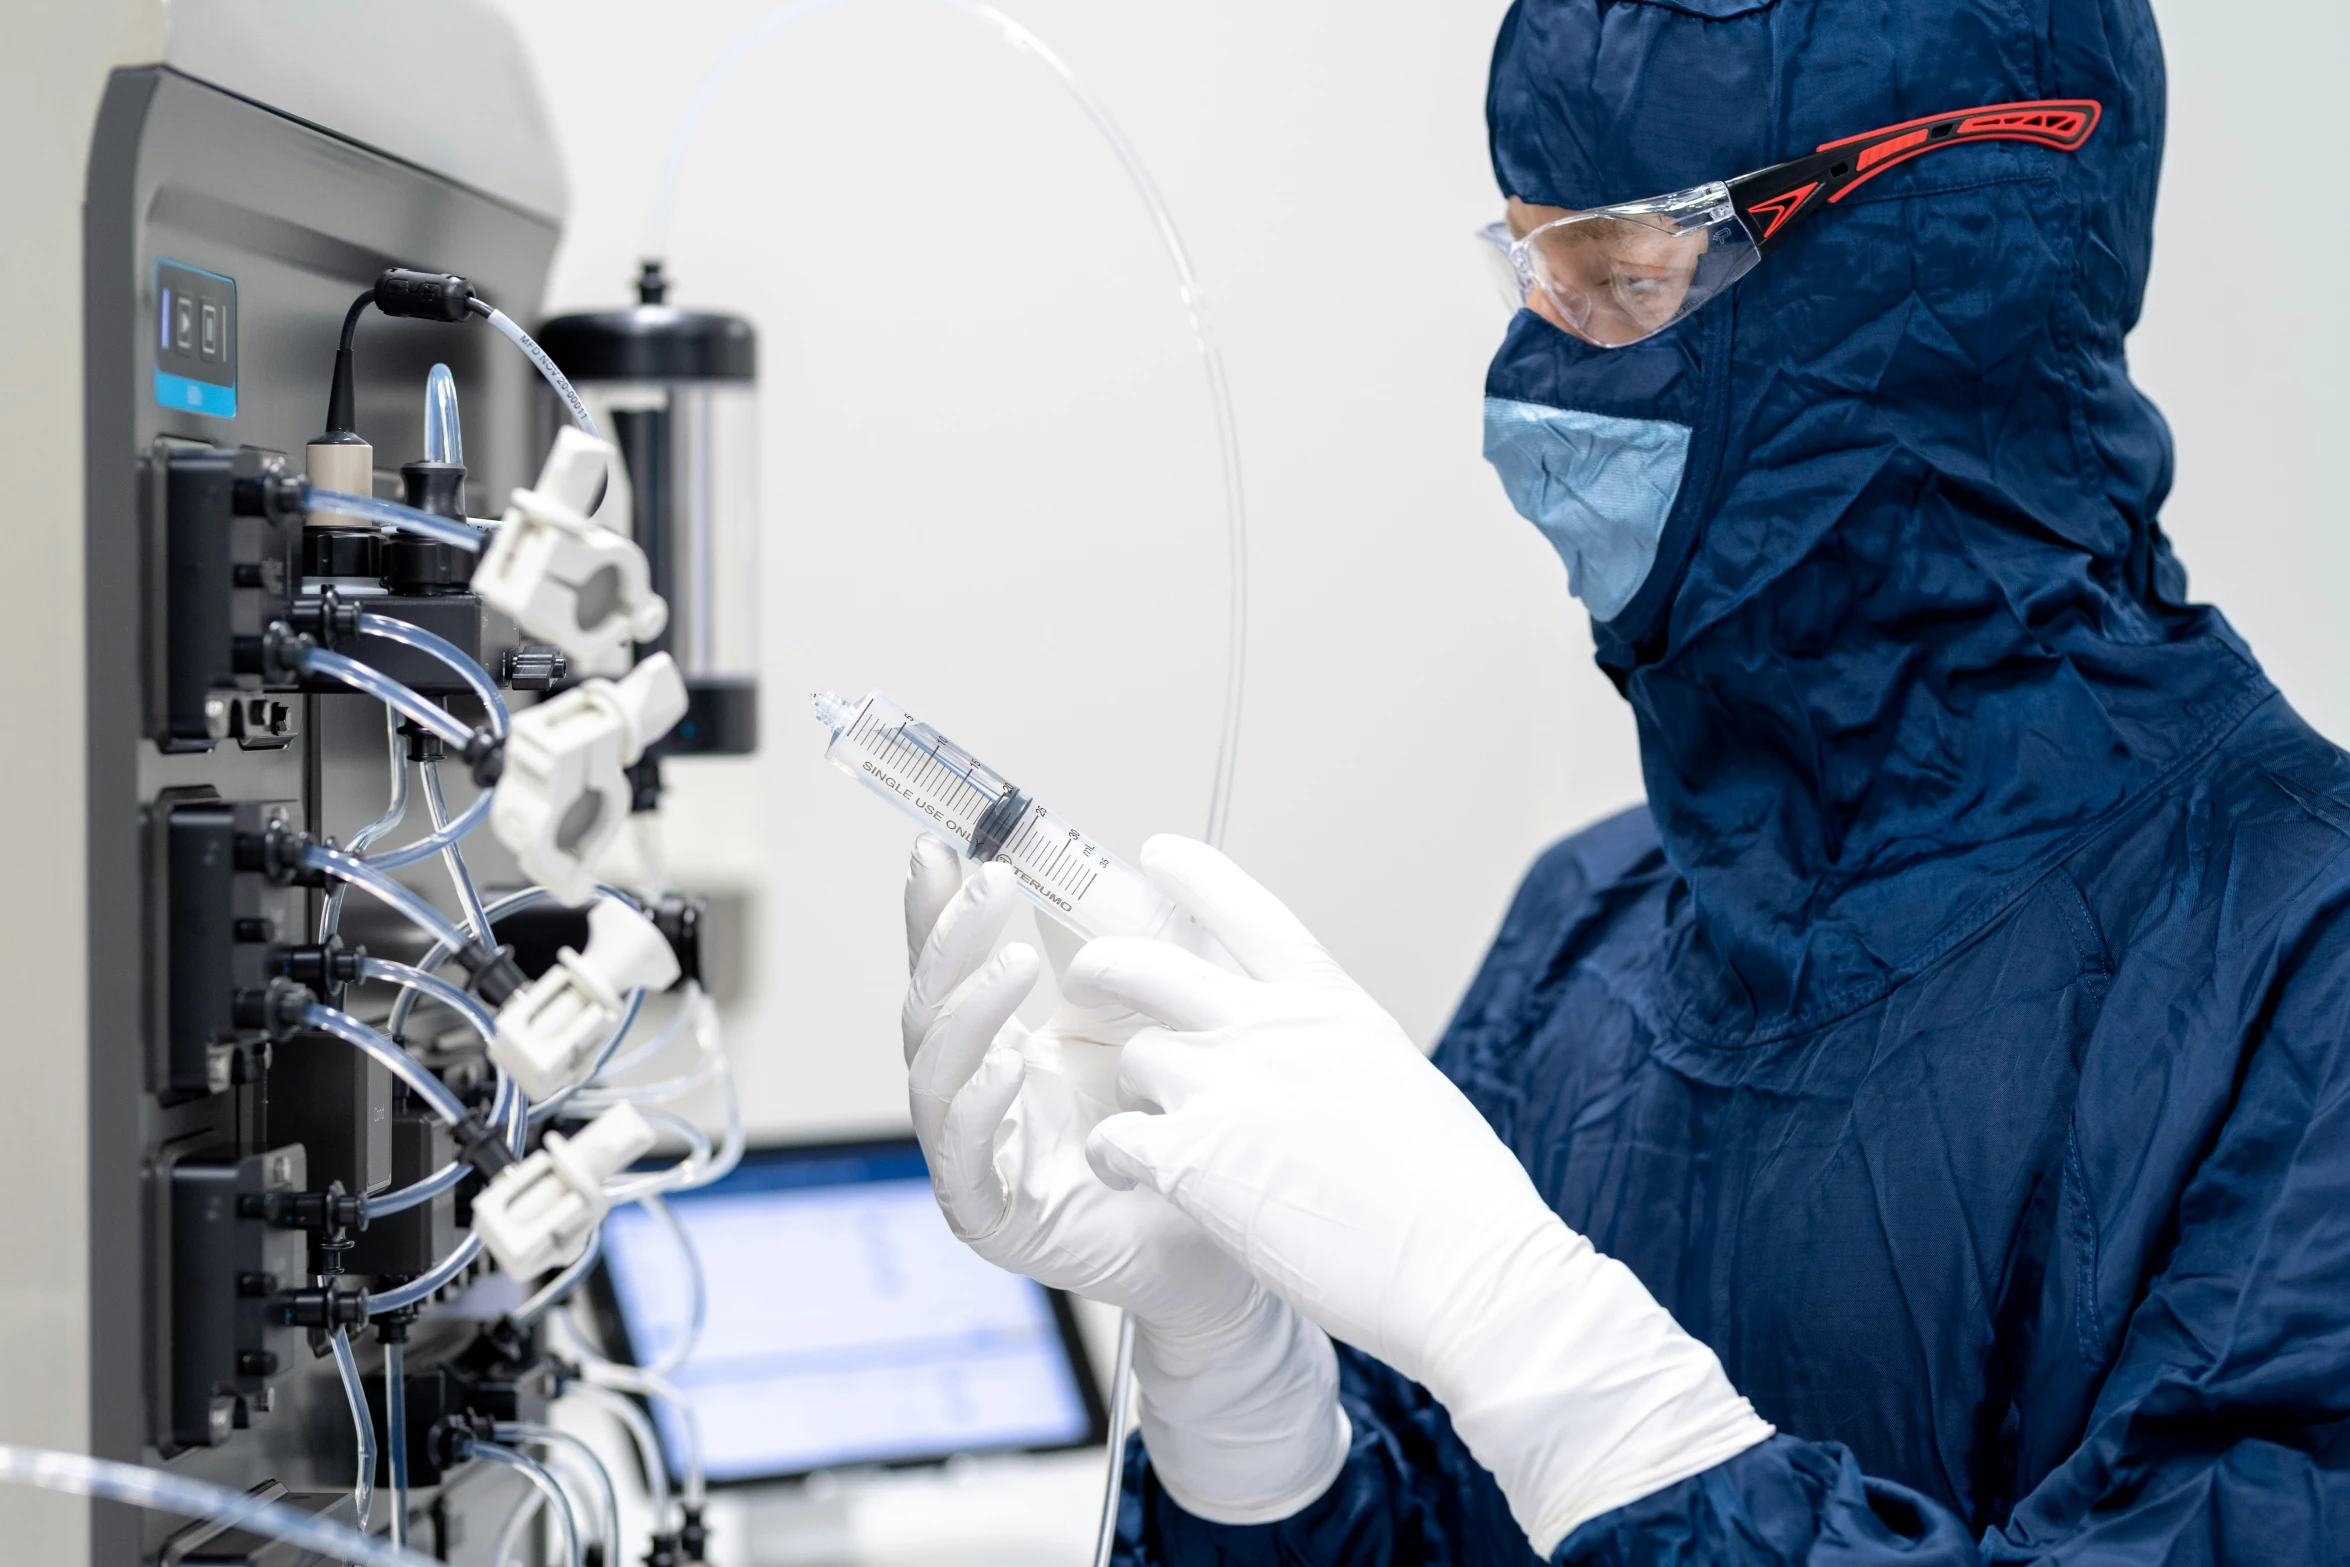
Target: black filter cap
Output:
[{"x": 652, "y": 343}]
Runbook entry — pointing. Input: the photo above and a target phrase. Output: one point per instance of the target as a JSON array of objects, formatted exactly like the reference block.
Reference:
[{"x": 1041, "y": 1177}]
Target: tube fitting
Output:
[
  {"x": 273, "y": 494},
  {"x": 322, "y": 966},
  {"x": 275, "y": 1010},
  {"x": 276, "y": 852},
  {"x": 328, "y": 618},
  {"x": 322, "y": 1308}
]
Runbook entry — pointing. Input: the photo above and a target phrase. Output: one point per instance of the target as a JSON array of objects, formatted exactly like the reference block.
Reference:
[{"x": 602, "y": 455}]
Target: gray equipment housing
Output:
[{"x": 274, "y": 218}]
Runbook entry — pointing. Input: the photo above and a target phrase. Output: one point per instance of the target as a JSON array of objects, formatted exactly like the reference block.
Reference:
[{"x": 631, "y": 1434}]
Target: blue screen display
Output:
[{"x": 845, "y": 1323}]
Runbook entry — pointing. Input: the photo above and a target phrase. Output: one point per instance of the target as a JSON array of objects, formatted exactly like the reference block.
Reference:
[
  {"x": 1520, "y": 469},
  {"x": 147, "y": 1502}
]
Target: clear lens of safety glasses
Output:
[{"x": 1614, "y": 275}]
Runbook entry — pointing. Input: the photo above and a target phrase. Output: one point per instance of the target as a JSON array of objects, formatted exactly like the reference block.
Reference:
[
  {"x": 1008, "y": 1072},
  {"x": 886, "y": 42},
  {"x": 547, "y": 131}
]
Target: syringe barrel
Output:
[{"x": 952, "y": 793}]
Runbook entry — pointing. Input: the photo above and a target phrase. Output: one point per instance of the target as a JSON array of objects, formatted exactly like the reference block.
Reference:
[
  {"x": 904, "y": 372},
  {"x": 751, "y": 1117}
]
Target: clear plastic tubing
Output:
[
  {"x": 403, "y": 1066},
  {"x": 535, "y": 1472},
  {"x": 515, "y": 1433},
  {"x": 435, "y": 842},
  {"x": 359, "y": 873},
  {"x": 559, "y": 1288},
  {"x": 468, "y": 896},
  {"x": 444, "y": 432},
  {"x": 687, "y": 999},
  {"x": 331, "y": 916},
  {"x": 438, "y": 989},
  {"x": 952, "y": 793},
  {"x": 363, "y": 1426},
  {"x": 422, "y": 1191},
  {"x": 375, "y": 683},
  {"x": 506, "y": 328},
  {"x": 426, "y": 1285},
  {"x": 507, "y": 1106},
  {"x": 447, "y": 652},
  {"x": 631, "y": 1416},
  {"x": 78, "y": 1475},
  {"x": 1195, "y": 305},
  {"x": 548, "y": 1107},
  {"x": 513, "y": 902},
  {"x": 396, "y": 1432},
  {"x": 697, "y": 1314},
  {"x": 393, "y": 515}
]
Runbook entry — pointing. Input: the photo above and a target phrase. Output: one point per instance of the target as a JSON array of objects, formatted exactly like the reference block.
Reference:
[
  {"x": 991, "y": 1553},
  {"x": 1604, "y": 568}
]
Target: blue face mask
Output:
[{"x": 1599, "y": 488}]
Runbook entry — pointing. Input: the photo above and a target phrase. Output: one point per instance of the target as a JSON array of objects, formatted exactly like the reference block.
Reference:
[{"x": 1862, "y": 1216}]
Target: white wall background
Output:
[{"x": 990, "y": 471}]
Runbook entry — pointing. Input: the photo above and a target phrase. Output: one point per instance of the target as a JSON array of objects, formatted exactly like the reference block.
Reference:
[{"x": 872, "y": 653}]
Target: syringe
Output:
[{"x": 954, "y": 794}]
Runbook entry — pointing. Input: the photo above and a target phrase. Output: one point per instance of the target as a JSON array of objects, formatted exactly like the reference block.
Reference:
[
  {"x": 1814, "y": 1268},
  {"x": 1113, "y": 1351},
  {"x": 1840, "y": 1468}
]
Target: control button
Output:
[
  {"x": 212, "y": 331},
  {"x": 184, "y": 324}
]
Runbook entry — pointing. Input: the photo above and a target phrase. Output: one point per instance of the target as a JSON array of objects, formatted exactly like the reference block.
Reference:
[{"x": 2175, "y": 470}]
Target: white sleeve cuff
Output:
[{"x": 1319, "y": 1477}]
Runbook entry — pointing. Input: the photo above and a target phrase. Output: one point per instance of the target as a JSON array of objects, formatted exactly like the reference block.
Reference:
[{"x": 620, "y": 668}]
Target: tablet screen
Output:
[{"x": 844, "y": 1322}]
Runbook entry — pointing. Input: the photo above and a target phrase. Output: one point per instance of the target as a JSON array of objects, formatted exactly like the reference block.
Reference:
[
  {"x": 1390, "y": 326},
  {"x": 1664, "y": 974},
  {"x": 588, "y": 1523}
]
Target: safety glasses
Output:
[{"x": 1614, "y": 275}]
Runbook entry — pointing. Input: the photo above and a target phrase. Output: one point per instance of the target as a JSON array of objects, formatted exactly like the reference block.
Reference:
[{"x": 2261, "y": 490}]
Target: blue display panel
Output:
[{"x": 195, "y": 339}]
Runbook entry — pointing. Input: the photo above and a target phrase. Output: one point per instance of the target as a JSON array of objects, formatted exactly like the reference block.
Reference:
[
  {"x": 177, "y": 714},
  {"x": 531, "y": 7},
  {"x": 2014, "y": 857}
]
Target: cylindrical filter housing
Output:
[{"x": 677, "y": 392}]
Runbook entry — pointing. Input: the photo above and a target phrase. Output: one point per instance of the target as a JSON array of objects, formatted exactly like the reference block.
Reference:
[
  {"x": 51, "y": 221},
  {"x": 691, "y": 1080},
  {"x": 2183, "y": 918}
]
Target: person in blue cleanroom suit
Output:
[{"x": 1921, "y": 1134}]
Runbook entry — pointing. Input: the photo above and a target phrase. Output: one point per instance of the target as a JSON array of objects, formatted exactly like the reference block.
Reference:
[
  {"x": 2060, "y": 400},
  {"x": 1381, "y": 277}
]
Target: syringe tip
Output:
[{"x": 833, "y": 712}]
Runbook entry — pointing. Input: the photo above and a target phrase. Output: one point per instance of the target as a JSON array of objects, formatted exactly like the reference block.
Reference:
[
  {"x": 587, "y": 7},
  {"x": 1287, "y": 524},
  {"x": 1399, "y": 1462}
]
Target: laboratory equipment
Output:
[
  {"x": 907, "y": 1348},
  {"x": 676, "y": 391},
  {"x": 249, "y": 1139},
  {"x": 952, "y": 793}
]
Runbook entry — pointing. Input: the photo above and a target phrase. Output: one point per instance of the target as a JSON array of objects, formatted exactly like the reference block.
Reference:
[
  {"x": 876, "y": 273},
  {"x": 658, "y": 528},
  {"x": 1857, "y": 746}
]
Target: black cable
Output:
[{"x": 342, "y": 413}]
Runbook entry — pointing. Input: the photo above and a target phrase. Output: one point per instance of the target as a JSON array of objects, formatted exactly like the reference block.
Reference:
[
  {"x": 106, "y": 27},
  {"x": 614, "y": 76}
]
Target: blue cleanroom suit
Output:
[{"x": 1956, "y": 1040}]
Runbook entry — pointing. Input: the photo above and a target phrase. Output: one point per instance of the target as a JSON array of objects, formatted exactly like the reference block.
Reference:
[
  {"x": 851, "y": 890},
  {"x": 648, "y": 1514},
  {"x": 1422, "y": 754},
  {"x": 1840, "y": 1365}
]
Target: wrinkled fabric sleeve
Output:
[
  {"x": 1410, "y": 1493},
  {"x": 2221, "y": 1432}
]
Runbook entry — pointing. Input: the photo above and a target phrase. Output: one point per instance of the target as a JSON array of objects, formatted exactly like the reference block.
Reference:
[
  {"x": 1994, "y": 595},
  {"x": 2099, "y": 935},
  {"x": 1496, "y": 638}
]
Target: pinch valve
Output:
[
  {"x": 549, "y": 1031},
  {"x": 564, "y": 578},
  {"x": 539, "y": 1214},
  {"x": 563, "y": 797}
]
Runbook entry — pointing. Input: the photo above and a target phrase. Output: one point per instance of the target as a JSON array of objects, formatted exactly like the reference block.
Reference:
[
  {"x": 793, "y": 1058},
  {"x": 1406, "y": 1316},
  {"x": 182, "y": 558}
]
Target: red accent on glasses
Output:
[
  {"x": 1779, "y": 195},
  {"x": 1781, "y": 208}
]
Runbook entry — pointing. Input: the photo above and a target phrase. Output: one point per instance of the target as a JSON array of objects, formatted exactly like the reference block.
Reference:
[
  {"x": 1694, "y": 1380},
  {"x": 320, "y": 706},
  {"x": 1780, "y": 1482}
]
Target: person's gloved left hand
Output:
[
  {"x": 1239, "y": 1395},
  {"x": 1290, "y": 1115}
]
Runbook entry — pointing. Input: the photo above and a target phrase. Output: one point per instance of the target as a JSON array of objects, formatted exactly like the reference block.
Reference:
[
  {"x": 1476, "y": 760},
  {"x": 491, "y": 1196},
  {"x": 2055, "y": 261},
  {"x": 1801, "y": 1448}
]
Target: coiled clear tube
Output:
[
  {"x": 559, "y": 1288},
  {"x": 426, "y": 1285},
  {"x": 404, "y": 1066},
  {"x": 458, "y": 1001},
  {"x": 76, "y": 1474},
  {"x": 425, "y": 848},
  {"x": 546, "y": 1108},
  {"x": 640, "y": 1430},
  {"x": 345, "y": 867},
  {"x": 436, "y": 808},
  {"x": 517, "y": 1433},
  {"x": 424, "y": 1191},
  {"x": 331, "y": 917},
  {"x": 535, "y": 1472},
  {"x": 686, "y": 999},
  {"x": 432, "y": 645},
  {"x": 374, "y": 682}
]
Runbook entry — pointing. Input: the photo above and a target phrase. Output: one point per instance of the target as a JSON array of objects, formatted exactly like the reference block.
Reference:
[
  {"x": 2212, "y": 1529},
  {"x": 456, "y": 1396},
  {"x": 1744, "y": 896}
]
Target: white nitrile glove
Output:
[
  {"x": 1289, "y": 1115},
  {"x": 1239, "y": 1394}
]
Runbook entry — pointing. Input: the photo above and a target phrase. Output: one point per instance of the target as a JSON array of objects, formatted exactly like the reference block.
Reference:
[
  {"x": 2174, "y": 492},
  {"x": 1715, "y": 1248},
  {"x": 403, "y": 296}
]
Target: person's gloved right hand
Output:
[
  {"x": 1239, "y": 1395},
  {"x": 1291, "y": 1116}
]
